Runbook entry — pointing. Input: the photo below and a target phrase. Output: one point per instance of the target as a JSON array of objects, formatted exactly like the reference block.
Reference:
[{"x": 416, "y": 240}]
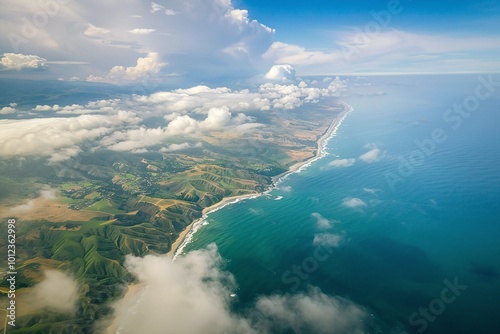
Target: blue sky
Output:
[{"x": 207, "y": 40}]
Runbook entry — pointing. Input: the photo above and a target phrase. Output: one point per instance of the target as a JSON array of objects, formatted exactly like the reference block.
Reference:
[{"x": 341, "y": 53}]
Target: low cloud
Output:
[
  {"x": 107, "y": 124},
  {"x": 282, "y": 73},
  {"x": 193, "y": 295},
  {"x": 311, "y": 312},
  {"x": 371, "y": 190},
  {"x": 57, "y": 292},
  {"x": 28, "y": 205},
  {"x": 23, "y": 208},
  {"x": 44, "y": 137},
  {"x": 19, "y": 61},
  {"x": 7, "y": 110},
  {"x": 327, "y": 239},
  {"x": 354, "y": 203},
  {"x": 146, "y": 66},
  {"x": 374, "y": 153},
  {"x": 342, "y": 162},
  {"x": 179, "y": 147},
  {"x": 322, "y": 223},
  {"x": 216, "y": 119}
]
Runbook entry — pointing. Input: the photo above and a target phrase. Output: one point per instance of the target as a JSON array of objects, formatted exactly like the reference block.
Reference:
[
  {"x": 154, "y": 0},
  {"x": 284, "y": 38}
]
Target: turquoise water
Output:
[{"x": 415, "y": 227}]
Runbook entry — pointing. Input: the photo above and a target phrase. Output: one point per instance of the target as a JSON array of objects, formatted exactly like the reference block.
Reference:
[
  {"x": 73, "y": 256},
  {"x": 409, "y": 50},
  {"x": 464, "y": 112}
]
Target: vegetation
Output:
[{"x": 114, "y": 204}]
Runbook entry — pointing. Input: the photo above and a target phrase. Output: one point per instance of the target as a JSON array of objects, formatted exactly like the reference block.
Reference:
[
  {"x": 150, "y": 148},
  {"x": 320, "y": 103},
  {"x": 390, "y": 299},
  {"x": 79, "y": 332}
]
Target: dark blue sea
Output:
[{"x": 402, "y": 216}]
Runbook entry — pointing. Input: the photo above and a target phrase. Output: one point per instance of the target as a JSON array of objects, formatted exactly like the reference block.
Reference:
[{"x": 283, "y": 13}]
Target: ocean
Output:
[{"x": 402, "y": 216}]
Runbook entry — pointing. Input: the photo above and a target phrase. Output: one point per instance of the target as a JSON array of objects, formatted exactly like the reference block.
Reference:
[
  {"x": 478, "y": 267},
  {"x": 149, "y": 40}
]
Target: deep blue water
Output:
[{"x": 417, "y": 226}]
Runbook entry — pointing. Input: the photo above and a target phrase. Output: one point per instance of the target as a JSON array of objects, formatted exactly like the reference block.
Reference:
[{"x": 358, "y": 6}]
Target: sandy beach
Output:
[
  {"x": 321, "y": 143},
  {"x": 226, "y": 200},
  {"x": 223, "y": 202},
  {"x": 134, "y": 289}
]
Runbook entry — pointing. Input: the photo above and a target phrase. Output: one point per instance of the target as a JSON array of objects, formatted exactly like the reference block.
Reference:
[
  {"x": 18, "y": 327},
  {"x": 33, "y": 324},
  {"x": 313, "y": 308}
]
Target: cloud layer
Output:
[
  {"x": 193, "y": 295},
  {"x": 57, "y": 292},
  {"x": 59, "y": 132}
]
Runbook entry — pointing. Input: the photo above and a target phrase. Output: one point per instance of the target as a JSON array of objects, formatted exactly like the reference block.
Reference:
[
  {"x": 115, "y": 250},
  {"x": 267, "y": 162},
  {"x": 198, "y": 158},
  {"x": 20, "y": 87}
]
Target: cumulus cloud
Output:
[
  {"x": 193, "y": 111},
  {"x": 19, "y": 61},
  {"x": 217, "y": 118},
  {"x": 43, "y": 137},
  {"x": 322, "y": 223},
  {"x": 370, "y": 156},
  {"x": 354, "y": 203},
  {"x": 371, "y": 190},
  {"x": 311, "y": 312},
  {"x": 58, "y": 292},
  {"x": 149, "y": 65},
  {"x": 7, "y": 110},
  {"x": 342, "y": 162},
  {"x": 327, "y": 239},
  {"x": 283, "y": 73},
  {"x": 193, "y": 295},
  {"x": 179, "y": 147}
]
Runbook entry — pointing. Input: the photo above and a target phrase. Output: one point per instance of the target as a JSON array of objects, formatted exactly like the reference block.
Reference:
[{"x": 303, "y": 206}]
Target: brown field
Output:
[{"x": 46, "y": 209}]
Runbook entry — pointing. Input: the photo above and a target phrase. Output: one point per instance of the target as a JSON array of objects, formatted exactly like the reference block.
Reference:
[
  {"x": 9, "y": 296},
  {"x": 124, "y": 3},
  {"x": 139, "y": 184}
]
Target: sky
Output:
[{"x": 127, "y": 41}]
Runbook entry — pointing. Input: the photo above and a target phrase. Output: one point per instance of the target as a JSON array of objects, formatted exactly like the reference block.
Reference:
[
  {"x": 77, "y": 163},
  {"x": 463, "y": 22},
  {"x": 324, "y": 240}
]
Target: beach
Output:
[
  {"x": 181, "y": 241},
  {"x": 225, "y": 201},
  {"x": 185, "y": 236}
]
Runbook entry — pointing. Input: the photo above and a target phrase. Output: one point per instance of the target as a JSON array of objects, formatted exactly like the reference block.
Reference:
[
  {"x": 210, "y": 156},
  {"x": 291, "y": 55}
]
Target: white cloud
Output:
[
  {"x": 147, "y": 66},
  {"x": 354, "y": 203},
  {"x": 142, "y": 31},
  {"x": 327, "y": 239},
  {"x": 217, "y": 118},
  {"x": 179, "y": 147},
  {"x": 342, "y": 162},
  {"x": 182, "y": 125},
  {"x": 44, "y": 137},
  {"x": 370, "y": 156},
  {"x": 193, "y": 111},
  {"x": 92, "y": 30},
  {"x": 23, "y": 208},
  {"x": 193, "y": 295},
  {"x": 283, "y": 73},
  {"x": 18, "y": 61},
  {"x": 371, "y": 190},
  {"x": 322, "y": 223},
  {"x": 57, "y": 292},
  {"x": 7, "y": 110},
  {"x": 311, "y": 312},
  {"x": 39, "y": 107}
]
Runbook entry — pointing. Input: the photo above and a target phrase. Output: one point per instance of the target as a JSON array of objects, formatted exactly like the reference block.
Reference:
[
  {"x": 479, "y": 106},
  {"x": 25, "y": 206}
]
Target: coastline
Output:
[
  {"x": 322, "y": 141},
  {"x": 182, "y": 240},
  {"x": 185, "y": 236},
  {"x": 214, "y": 207}
]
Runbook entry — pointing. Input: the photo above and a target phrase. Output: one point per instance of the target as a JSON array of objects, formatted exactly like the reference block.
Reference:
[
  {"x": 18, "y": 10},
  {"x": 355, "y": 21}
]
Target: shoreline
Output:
[
  {"x": 182, "y": 239},
  {"x": 322, "y": 141},
  {"x": 180, "y": 242},
  {"x": 214, "y": 207}
]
